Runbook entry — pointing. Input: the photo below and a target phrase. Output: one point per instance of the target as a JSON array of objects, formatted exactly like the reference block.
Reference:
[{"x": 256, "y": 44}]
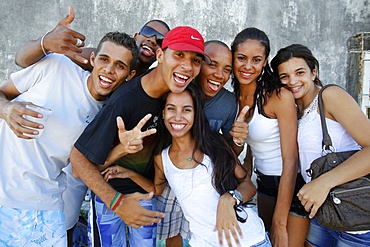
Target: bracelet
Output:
[
  {"x": 116, "y": 200},
  {"x": 237, "y": 144},
  {"x": 42, "y": 45}
]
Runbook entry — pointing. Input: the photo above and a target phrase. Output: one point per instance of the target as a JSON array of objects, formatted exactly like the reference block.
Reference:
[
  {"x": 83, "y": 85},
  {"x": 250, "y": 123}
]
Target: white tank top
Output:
[
  {"x": 198, "y": 200},
  {"x": 264, "y": 140},
  {"x": 310, "y": 137}
]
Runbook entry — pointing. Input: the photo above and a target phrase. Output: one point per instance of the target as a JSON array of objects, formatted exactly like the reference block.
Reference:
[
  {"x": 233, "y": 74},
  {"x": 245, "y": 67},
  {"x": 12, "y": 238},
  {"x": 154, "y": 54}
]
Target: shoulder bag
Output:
[{"x": 347, "y": 206}]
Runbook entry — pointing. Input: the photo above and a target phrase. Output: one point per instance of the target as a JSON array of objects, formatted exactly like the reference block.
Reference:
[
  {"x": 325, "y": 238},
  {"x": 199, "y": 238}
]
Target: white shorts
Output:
[{"x": 73, "y": 197}]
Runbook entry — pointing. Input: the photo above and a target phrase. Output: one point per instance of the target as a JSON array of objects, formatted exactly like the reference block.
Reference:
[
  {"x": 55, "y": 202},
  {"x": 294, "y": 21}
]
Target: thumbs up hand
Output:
[{"x": 240, "y": 131}]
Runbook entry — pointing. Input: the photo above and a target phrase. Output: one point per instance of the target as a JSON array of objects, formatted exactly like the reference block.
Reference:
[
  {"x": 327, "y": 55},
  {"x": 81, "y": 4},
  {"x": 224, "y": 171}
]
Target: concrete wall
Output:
[{"x": 324, "y": 26}]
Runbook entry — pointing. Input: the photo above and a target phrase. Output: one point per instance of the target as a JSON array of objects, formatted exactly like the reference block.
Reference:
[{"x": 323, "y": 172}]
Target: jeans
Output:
[
  {"x": 265, "y": 243},
  {"x": 322, "y": 236}
]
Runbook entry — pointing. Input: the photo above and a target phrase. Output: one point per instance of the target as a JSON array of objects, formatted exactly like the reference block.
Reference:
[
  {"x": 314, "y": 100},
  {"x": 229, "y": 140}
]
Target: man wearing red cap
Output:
[{"x": 179, "y": 63}]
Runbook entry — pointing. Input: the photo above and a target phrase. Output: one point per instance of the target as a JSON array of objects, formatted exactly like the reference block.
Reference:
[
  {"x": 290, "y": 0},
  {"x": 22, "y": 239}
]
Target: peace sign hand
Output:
[{"x": 132, "y": 140}]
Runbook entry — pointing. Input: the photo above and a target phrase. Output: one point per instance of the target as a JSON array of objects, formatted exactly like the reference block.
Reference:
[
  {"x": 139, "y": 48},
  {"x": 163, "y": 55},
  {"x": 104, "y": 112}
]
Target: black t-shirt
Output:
[{"x": 131, "y": 103}]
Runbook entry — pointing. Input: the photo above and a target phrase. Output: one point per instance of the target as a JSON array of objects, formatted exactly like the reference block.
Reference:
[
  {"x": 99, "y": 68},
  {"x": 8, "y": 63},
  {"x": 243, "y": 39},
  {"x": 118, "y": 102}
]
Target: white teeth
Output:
[
  {"x": 182, "y": 76},
  {"x": 294, "y": 89},
  {"x": 147, "y": 47},
  {"x": 177, "y": 126},
  {"x": 215, "y": 82},
  {"x": 103, "y": 78},
  {"x": 246, "y": 74}
]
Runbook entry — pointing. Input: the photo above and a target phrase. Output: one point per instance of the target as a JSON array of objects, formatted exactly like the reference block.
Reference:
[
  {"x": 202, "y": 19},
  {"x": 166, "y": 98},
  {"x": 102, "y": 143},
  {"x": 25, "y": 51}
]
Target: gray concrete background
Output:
[{"x": 324, "y": 26}]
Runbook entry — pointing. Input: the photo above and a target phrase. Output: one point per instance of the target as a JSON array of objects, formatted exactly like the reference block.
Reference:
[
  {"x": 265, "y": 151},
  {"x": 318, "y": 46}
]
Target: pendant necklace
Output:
[
  {"x": 183, "y": 157},
  {"x": 188, "y": 159}
]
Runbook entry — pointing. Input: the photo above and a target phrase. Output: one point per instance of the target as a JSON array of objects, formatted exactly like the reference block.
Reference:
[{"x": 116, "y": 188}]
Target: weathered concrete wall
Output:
[{"x": 324, "y": 26}]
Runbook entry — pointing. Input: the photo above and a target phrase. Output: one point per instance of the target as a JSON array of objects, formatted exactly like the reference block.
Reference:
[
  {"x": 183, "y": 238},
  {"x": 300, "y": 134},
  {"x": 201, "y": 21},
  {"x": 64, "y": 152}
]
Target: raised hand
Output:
[
  {"x": 239, "y": 131},
  {"x": 131, "y": 141},
  {"x": 64, "y": 40}
]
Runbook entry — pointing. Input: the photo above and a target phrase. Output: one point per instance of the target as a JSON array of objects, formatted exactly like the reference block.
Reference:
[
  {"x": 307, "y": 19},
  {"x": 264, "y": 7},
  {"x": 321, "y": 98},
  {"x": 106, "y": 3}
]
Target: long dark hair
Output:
[
  {"x": 208, "y": 142},
  {"x": 266, "y": 82},
  {"x": 299, "y": 51}
]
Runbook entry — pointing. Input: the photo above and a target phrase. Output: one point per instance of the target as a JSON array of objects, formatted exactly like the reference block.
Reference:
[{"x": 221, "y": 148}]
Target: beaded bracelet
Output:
[{"x": 116, "y": 200}]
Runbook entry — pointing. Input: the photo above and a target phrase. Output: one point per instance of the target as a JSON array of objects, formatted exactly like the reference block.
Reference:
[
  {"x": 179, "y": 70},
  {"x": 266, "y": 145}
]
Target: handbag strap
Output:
[{"x": 327, "y": 145}]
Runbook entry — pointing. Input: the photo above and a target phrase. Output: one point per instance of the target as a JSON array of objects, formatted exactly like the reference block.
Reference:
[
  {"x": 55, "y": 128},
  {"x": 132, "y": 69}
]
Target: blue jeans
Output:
[
  {"x": 265, "y": 243},
  {"x": 321, "y": 236},
  {"x": 111, "y": 229}
]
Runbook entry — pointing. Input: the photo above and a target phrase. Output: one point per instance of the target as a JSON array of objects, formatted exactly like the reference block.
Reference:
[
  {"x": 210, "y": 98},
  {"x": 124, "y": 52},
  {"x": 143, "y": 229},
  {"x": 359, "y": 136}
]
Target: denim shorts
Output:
[
  {"x": 268, "y": 186},
  {"x": 265, "y": 243},
  {"x": 321, "y": 236}
]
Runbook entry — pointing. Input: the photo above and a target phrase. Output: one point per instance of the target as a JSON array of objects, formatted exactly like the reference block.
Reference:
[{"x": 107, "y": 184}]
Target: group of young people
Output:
[{"x": 129, "y": 132}]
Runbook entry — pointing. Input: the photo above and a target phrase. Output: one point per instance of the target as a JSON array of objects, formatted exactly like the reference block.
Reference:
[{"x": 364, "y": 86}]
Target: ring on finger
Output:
[{"x": 79, "y": 42}]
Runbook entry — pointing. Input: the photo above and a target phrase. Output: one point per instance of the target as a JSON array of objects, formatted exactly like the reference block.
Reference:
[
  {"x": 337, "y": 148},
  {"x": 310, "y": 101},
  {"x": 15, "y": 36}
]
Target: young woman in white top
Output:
[
  {"x": 205, "y": 175},
  {"x": 348, "y": 127},
  {"x": 272, "y": 139}
]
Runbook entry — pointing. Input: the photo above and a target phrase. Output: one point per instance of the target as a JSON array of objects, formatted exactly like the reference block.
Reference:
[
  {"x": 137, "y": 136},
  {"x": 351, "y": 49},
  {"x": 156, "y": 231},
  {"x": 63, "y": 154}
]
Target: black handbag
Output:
[{"x": 347, "y": 206}]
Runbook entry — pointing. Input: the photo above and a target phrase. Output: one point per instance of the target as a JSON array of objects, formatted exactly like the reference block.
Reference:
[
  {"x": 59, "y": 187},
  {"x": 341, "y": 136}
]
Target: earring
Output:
[{"x": 261, "y": 75}]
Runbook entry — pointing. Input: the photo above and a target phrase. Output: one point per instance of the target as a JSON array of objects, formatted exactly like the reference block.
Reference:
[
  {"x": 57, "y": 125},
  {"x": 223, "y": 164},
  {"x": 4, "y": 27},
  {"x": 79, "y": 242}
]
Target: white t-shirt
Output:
[
  {"x": 198, "y": 200},
  {"x": 31, "y": 174}
]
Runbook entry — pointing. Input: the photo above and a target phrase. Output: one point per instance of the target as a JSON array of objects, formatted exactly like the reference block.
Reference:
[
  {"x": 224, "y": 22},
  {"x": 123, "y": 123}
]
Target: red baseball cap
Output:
[{"x": 185, "y": 38}]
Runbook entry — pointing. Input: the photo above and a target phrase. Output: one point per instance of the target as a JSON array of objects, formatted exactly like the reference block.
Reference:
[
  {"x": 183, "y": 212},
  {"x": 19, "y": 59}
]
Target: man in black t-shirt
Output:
[{"x": 179, "y": 63}]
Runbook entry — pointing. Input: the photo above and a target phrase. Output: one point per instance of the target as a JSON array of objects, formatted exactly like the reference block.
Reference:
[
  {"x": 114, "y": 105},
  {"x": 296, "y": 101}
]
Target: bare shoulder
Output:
[
  {"x": 336, "y": 98},
  {"x": 158, "y": 158},
  {"x": 158, "y": 161},
  {"x": 281, "y": 104},
  {"x": 334, "y": 92},
  {"x": 284, "y": 97}
]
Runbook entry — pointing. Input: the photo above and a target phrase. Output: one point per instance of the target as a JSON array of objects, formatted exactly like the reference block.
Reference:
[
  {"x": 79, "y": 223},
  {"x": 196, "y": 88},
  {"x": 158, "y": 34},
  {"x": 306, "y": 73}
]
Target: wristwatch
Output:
[{"x": 237, "y": 196}]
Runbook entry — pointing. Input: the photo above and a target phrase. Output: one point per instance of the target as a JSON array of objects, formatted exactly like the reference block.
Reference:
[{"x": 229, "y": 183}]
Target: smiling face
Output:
[
  {"x": 297, "y": 77},
  {"x": 148, "y": 45},
  {"x": 111, "y": 69},
  {"x": 178, "y": 68},
  {"x": 178, "y": 114},
  {"x": 214, "y": 76},
  {"x": 249, "y": 60}
]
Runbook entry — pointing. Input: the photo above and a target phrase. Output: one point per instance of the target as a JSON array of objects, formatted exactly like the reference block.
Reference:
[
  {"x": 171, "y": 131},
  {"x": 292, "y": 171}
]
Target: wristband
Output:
[
  {"x": 237, "y": 144},
  {"x": 116, "y": 200},
  {"x": 42, "y": 45}
]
